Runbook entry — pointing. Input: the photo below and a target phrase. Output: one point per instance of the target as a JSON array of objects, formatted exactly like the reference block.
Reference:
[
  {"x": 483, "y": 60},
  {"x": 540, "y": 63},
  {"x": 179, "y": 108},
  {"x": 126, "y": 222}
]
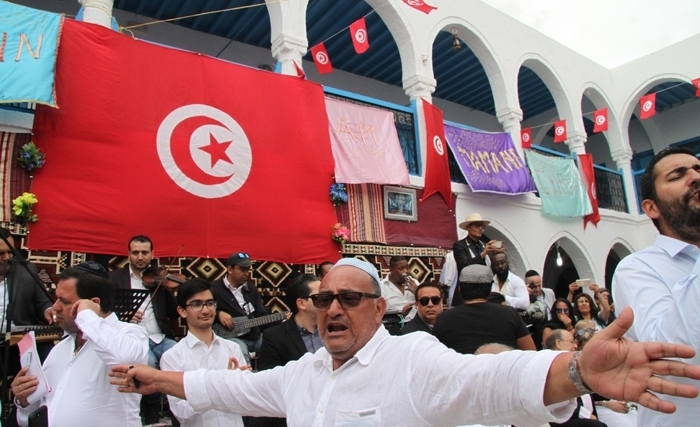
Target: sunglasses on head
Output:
[
  {"x": 242, "y": 255},
  {"x": 345, "y": 299},
  {"x": 425, "y": 300}
]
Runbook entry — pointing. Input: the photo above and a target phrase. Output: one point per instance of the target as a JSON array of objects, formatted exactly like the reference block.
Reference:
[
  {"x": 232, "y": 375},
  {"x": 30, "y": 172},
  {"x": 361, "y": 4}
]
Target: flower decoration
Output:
[
  {"x": 30, "y": 157},
  {"x": 338, "y": 194},
  {"x": 340, "y": 233},
  {"x": 22, "y": 206}
]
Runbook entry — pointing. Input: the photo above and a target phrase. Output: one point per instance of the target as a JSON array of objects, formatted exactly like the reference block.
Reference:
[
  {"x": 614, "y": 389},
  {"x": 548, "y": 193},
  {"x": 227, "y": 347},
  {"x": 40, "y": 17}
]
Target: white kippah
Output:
[{"x": 362, "y": 265}]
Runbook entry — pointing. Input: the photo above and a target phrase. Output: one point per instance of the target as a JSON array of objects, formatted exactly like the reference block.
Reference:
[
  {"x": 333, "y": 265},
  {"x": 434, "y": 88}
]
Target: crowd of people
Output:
[{"x": 357, "y": 349}]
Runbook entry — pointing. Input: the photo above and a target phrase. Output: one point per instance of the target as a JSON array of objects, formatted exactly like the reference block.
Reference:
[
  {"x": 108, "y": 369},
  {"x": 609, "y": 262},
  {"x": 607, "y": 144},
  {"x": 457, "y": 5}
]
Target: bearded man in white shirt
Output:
[
  {"x": 508, "y": 284},
  {"x": 342, "y": 383},
  {"x": 662, "y": 282},
  {"x": 76, "y": 367},
  {"x": 201, "y": 348}
]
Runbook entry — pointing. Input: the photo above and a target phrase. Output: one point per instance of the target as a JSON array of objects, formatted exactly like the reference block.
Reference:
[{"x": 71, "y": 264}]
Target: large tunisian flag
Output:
[{"x": 184, "y": 148}]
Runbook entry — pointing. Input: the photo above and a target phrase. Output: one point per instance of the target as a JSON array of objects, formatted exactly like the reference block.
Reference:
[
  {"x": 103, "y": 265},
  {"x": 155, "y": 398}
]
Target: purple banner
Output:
[{"x": 489, "y": 161}]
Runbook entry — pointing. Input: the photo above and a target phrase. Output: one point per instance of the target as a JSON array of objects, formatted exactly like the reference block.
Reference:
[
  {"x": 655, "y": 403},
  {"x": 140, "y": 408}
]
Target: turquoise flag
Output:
[
  {"x": 28, "y": 48},
  {"x": 559, "y": 185}
]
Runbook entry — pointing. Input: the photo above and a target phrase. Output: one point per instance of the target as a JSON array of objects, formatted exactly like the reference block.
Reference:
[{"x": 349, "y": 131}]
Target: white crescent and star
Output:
[
  {"x": 526, "y": 136},
  {"x": 217, "y": 159},
  {"x": 559, "y": 130},
  {"x": 322, "y": 58},
  {"x": 439, "y": 147},
  {"x": 360, "y": 35},
  {"x": 600, "y": 120},
  {"x": 647, "y": 106}
]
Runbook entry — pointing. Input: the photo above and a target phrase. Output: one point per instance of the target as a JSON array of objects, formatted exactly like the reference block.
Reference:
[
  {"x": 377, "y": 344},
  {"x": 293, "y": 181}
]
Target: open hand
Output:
[{"x": 620, "y": 369}]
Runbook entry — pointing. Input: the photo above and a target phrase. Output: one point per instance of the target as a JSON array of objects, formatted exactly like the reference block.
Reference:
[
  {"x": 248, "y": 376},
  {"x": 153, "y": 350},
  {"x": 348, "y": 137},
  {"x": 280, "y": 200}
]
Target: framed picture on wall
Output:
[{"x": 400, "y": 204}]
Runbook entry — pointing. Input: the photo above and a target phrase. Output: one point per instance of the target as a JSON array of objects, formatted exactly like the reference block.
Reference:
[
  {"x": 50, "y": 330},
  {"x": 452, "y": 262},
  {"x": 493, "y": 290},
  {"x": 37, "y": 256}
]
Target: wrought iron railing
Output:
[
  {"x": 19, "y": 106},
  {"x": 610, "y": 189},
  {"x": 404, "y": 120}
]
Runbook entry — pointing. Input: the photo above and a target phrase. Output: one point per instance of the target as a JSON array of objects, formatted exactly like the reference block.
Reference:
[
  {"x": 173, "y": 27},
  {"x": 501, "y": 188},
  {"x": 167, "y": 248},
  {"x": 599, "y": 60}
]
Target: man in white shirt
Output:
[
  {"x": 341, "y": 384},
  {"x": 533, "y": 281},
  {"x": 662, "y": 282},
  {"x": 398, "y": 290},
  {"x": 76, "y": 367},
  {"x": 449, "y": 276},
  {"x": 201, "y": 348},
  {"x": 508, "y": 284}
]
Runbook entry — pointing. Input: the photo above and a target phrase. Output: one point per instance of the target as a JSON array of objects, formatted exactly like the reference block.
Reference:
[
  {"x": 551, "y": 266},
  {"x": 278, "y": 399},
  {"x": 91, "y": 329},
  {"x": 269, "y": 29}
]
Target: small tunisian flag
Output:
[
  {"x": 600, "y": 120},
  {"x": 180, "y": 147},
  {"x": 560, "y": 131},
  {"x": 420, "y": 5},
  {"x": 437, "y": 168},
  {"x": 647, "y": 106},
  {"x": 585, "y": 164},
  {"x": 358, "y": 32},
  {"x": 321, "y": 59},
  {"x": 696, "y": 83},
  {"x": 526, "y": 137}
]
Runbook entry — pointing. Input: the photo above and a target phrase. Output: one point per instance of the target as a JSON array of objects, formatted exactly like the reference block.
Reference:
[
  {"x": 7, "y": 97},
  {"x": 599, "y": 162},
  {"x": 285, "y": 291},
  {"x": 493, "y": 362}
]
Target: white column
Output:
[
  {"x": 510, "y": 118},
  {"x": 418, "y": 86},
  {"x": 576, "y": 142},
  {"x": 623, "y": 161},
  {"x": 288, "y": 49},
  {"x": 98, "y": 12}
]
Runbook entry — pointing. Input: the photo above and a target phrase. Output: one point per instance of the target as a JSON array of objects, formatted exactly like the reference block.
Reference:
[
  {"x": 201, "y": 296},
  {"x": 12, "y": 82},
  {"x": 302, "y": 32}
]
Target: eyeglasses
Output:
[
  {"x": 561, "y": 310},
  {"x": 582, "y": 332},
  {"x": 198, "y": 305},
  {"x": 477, "y": 225},
  {"x": 567, "y": 341},
  {"x": 425, "y": 300},
  {"x": 345, "y": 299}
]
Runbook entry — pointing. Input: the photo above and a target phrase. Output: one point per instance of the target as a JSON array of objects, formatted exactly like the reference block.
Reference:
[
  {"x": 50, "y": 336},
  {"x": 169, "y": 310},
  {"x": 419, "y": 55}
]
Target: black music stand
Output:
[{"x": 128, "y": 301}]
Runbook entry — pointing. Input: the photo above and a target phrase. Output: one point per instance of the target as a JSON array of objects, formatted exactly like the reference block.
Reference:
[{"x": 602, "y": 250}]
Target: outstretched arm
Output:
[{"x": 620, "y": 369}]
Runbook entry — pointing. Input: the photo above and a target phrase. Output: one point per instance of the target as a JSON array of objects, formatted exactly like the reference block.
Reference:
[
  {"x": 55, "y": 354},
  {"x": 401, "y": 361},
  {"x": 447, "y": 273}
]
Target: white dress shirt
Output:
[
  {"x": 548, "y": 298},
  {"x": 238, "y": 294},
  {"x": 396, "y": 300},
  {"x": 514, "y": 290},
  {"x": 81, "y": 394},
  {"x": 372, "y": 389},
  {"x": 449, "y": 276},
  {"x": 191, "y": 354},
  {"x": 148, "y": 321},
  {"x": 662, "y": 284}
]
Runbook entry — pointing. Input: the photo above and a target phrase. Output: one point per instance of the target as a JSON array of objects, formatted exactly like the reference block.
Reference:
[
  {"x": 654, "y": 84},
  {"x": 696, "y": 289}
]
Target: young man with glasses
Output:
[
  {"x": 342, "y": 384},
  {"x": 201, "y": 348},
  {"x": 428, "y": 307}
]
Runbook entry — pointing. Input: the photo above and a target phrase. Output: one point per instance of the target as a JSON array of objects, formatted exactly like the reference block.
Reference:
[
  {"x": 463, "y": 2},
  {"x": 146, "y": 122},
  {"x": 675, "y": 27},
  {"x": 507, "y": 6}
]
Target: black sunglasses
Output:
[
  {"x": 425, "y": 300},
  {"x": 345, "y": 299},
  {"x": 242, "y": 255}
]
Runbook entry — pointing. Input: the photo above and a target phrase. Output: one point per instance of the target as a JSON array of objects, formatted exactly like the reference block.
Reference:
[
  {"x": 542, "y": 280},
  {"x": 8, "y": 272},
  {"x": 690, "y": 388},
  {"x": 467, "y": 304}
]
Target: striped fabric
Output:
[
  {"x": 366, "y": 214},
  {"x": 15, "y": 180}
]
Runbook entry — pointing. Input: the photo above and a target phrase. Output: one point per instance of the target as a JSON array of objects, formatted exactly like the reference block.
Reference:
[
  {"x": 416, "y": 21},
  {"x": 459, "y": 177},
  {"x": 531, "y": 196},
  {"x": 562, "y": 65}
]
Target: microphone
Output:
[{"x": 405, "y": 277}]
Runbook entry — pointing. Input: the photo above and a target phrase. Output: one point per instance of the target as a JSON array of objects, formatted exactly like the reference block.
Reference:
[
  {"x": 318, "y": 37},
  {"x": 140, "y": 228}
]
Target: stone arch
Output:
[
  {"x": 555, "y": 85},
  {"x": 618, "y": 250},
  {"x": 577, "y": 263},
  {"x": 486, "y": 55},
  {"x": 517, "y": 256},
  {"x": 614, "y": 133}
]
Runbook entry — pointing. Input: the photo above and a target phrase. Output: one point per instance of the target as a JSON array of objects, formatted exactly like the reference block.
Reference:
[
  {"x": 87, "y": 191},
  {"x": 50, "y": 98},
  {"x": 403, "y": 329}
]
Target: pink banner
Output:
[{"x": 365, "y": 145}]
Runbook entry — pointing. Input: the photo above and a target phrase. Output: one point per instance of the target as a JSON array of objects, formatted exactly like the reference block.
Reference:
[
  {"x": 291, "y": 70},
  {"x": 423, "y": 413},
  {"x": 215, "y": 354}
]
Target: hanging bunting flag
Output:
[
  {"x": 526, "y": 137},
  {"x": 321, "y": 59},
  {"x": 28, "y": 50},
  {"x": 437, "y": 168},
  {"x": 585, "y": 169},
  {"x": 560, "y": 131},
  {"x": 300, "y": 71},
  {"x": 559, "y": 185},
  {"x": 489, "y": 161},
  {"x": 647, "y": 106},
  {"x": 600, "y": 118},
  {"x": 696, "y": 83},
  {"x": 358, "y": 32},
  {"x": 365, "y": 144},
  {"x": 420, "y": 5}
]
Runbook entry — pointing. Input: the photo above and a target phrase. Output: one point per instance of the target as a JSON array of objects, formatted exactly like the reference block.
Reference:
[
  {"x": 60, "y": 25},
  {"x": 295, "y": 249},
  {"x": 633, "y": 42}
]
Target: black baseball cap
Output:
[{"x": 239, "y": 258}]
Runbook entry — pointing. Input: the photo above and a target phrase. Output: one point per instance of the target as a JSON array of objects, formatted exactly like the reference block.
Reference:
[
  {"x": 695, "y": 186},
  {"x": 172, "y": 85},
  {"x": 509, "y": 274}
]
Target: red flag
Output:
[
  {"x": 300, "y": 71},
  {"x": 526, "y": 137},
  {"x": 358, "y": 32},
  {"x": 600, "y": 120},
  {"x": 321, "y": 59},
  {"x": 696, "y": 83},
  {"x": 647, "y": 106},
  {"x": 420, "y": 5},
  {"x": 560, "y": 131},
  {"x": 585, "y": 164},
  {"x": 192, "y": 157},
  {"x": 437, "y": 168}
]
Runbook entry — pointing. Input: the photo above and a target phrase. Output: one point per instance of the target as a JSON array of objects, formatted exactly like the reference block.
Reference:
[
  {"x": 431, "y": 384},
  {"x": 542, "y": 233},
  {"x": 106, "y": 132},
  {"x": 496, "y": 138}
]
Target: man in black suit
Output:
[
  {"x": 473, "y": 249},
  {"x": 155, "y": 313},
  {"x": 291, "y": 339},
  {"x": 236, "y": 298},
  {"x": 428, "y": 308}
]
